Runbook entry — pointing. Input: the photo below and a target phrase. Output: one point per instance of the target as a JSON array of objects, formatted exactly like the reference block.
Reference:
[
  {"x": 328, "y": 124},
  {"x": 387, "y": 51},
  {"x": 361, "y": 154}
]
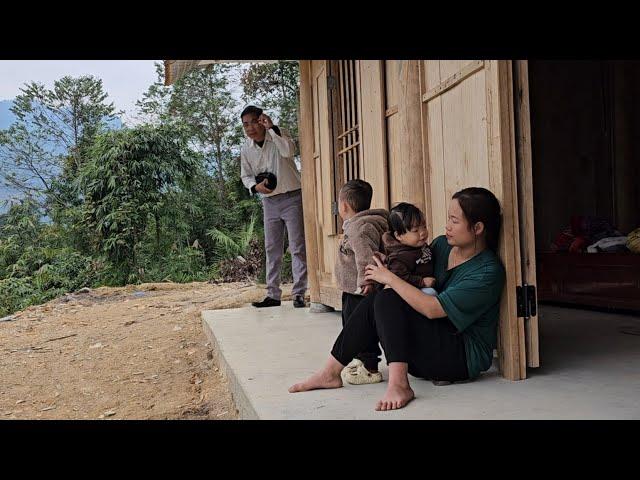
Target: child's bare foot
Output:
[
  {"x": 395, "y": 397},
  {"x": 321, "y": 379}
]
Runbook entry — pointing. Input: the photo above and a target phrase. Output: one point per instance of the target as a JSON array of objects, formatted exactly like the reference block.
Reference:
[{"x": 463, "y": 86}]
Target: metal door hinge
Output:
[{"x": 526, "y": 301}]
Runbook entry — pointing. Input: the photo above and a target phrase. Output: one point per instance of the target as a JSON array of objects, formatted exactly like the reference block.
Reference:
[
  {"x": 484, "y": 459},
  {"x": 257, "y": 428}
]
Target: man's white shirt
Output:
[{"x": 276, "y": 156}]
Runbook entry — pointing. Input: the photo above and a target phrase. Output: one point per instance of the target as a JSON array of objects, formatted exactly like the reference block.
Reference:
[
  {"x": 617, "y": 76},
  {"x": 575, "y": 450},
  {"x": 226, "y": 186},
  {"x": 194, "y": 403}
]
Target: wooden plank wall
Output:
[
  {"x": 373, "y": 137},
  {"x": 403, "y": 122}
]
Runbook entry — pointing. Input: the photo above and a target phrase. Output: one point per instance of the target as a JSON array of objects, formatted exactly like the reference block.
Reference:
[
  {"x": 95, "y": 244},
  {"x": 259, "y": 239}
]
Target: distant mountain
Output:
[{"x": 6, "y": 119}]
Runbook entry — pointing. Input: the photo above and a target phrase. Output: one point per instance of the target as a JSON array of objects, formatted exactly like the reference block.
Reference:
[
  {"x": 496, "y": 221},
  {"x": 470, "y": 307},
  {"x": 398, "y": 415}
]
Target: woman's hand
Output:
[
  {"x": 425, "y": 304},
  {"x": 381, "y": 256},
  {"x": 378, "y": 272}
]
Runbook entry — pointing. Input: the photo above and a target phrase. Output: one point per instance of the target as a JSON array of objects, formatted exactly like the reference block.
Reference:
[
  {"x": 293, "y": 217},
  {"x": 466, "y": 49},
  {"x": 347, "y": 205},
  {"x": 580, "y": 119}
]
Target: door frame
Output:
[{"x": 524, "y": 167}]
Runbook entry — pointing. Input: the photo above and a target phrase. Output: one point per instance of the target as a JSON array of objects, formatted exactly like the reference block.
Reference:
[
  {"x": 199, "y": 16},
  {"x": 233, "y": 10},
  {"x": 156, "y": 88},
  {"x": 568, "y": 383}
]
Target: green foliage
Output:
[
  {"x": 233, "y": 244},
  {"x": 59, "y": 271},
  {"x": 180, "y": 265},
  {"x": 132, "y": 176},
  {"x": 17, "y": 294},
  {"x": 35, "y": 266},
  {"x": 20, "y": 230}
]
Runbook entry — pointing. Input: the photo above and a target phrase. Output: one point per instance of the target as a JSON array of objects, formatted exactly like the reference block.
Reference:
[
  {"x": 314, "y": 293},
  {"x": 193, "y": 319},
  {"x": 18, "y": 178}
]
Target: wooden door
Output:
[{"x": 469, "y": 140}]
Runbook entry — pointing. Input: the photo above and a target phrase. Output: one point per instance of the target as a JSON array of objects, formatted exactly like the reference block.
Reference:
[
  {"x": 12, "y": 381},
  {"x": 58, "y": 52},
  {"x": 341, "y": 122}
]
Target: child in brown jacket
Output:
[
  {"x": 363, "y": 229},
  {"x": 407, "y": 252}
]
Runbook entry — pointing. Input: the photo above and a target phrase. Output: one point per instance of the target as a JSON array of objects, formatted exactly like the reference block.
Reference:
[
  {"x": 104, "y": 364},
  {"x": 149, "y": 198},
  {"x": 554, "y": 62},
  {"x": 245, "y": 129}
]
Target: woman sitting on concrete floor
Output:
[{"x": 446, "y": 338}]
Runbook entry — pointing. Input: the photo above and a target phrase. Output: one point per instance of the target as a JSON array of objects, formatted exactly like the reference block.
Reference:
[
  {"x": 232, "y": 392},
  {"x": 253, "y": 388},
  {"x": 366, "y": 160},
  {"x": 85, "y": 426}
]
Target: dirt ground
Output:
[{"x": 136, "y": 352}]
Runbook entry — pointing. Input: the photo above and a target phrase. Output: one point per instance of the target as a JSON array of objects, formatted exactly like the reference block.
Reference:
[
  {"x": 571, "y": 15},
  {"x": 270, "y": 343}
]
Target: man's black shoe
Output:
[
  {"x": 267, "y": 302},
  {"x": 298, "y": 301}
]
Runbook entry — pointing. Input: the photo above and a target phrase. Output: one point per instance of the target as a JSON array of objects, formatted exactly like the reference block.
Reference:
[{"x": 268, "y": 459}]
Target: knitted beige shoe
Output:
[
  {"x": 351, "y": 367},
  {"x": 354, "y": 364},
  {"x": 361, "y": 376}
]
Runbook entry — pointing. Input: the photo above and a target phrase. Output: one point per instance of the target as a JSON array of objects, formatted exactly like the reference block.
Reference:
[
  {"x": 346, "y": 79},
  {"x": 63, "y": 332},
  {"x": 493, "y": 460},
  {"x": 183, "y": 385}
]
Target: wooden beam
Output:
[
  {"x": 373, "y": 134},
  {"x": 308, "y": 174},
  {"x": 410, "y": 141},
  {"x": 331, "y": 296},
  {"x": 344, "y": 134},
  {"x": 525, "y": 200},
  {"x": 358, "y": 117},
  {"x": 426, "y": 159},
  {"x": 350, "y": 147},
  {"x": 454, "y": 80}
]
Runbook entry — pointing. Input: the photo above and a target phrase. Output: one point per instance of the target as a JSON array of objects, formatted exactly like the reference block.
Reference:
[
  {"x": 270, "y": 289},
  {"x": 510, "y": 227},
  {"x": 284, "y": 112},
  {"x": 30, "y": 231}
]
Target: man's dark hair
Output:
[
  {"x": 405, "y": 216},
  {"x": 251, "y": 109},
  {"x": 357, "y": 193}
]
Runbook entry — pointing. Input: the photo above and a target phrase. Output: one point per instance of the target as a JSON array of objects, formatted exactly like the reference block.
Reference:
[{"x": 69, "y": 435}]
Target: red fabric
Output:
[
  {"x": 579, "y": 245},
  {"x": 582, "y": 232},
  {"x": 562, "y": 242}
]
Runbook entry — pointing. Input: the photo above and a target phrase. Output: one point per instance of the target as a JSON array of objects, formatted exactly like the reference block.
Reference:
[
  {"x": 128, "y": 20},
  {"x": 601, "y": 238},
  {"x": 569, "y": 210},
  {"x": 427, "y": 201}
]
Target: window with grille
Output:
[
  {"x": 347, "y": 133},
  {"x": 344, "y": 85}
]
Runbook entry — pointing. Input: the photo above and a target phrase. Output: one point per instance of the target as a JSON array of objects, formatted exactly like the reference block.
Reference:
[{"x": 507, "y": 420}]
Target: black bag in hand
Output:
[{"x": 272, "y": 180}]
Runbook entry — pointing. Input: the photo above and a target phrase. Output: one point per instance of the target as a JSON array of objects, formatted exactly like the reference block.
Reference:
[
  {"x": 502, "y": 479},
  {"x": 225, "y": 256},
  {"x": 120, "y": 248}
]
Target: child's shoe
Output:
[{"x": 359, "y": 375}]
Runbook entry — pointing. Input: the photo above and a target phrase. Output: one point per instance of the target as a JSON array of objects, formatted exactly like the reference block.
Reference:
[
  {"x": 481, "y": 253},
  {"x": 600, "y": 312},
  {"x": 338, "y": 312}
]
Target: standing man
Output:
[{"x": 268, "y": 154}]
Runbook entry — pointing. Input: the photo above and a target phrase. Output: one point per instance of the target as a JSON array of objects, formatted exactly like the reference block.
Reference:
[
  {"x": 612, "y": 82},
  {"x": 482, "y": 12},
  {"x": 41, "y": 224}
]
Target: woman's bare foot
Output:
[
  {"x": 399, "y": 392},
  {"x": 321, "y": 379},
  {"x": 396, "y": 396},
  {"x": 328, "y": 377}
]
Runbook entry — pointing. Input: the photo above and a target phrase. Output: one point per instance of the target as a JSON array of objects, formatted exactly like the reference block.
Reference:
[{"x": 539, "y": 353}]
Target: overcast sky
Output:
[{"x": 124, "y": 80}]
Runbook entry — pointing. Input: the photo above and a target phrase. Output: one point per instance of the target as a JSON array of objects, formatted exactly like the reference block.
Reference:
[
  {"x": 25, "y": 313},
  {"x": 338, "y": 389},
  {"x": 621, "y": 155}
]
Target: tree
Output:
[
  {"x": 154, "y": 104},
  {"x": 132, "y": 175},
  {"x": 53, "y": 128},
  {"x": 20, "y": 229},
  {"x": 203, "y": 102}
]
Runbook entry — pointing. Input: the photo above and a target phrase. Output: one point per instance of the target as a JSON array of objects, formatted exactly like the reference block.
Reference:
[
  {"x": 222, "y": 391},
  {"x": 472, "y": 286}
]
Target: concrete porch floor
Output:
[{"x": 590, "y": 370}]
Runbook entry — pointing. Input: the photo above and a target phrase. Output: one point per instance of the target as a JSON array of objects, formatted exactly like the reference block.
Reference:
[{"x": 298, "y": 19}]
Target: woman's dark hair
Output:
[
  {"x": 480, "y": 205},
  {"x": 251, "y": 109},
  {"x": 404, "y": 217}
]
